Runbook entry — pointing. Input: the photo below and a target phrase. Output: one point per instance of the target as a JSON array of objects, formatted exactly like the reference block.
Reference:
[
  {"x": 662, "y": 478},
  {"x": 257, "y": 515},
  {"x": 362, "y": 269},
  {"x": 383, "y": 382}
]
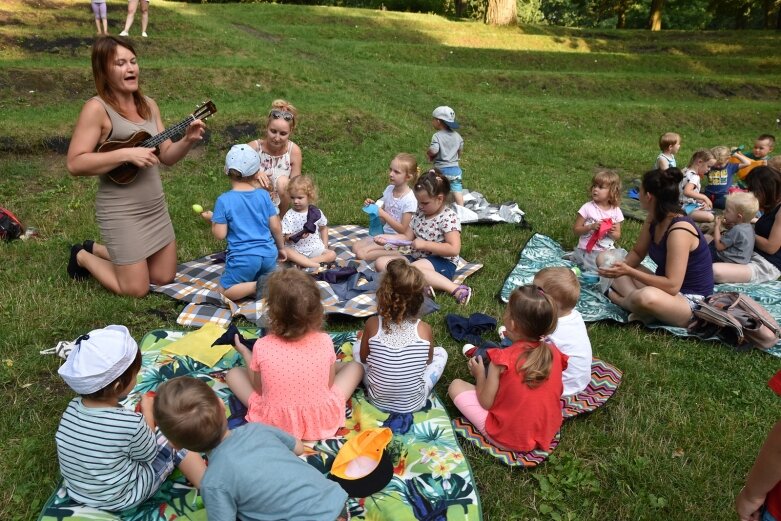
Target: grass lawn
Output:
[{"x": 541, "y": 108}]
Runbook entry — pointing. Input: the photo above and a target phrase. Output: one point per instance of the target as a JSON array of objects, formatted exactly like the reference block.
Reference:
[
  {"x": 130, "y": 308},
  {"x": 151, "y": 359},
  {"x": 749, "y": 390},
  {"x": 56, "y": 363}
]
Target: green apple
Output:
[{"x": 197, "y": 208}]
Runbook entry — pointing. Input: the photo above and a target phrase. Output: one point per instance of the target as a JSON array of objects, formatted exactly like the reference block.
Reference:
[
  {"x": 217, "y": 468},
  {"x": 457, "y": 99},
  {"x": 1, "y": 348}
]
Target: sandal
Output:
[
  {"x": 462, "y": 294},
  {"x": 75, "y": 271}
]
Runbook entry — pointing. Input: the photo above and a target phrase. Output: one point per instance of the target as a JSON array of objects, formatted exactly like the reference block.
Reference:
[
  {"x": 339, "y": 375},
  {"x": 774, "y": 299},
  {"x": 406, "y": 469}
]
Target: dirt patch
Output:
[
  {"x": 44, "y": 4},
  {"x": 71, "y": 44},
  {"x": 8, "y": 18},
  {"x": 9, "y": 145},
  {"x": 241, "y": 131},
  {"x": 257, "y": 33},
  {"x": 57, "y": 144}
]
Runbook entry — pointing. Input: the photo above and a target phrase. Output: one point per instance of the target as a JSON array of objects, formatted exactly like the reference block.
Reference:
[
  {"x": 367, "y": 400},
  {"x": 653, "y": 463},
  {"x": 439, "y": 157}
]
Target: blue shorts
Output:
[
  {"x": 167, "y": 459},
  {"x": 245, "y": 268},
  {"x": 453, "y": 174},
  {"x": 441, "y": 265}
]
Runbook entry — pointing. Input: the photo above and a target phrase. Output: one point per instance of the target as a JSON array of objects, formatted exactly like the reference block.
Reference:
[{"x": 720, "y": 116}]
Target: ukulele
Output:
[{"x": 126, "y": 173}]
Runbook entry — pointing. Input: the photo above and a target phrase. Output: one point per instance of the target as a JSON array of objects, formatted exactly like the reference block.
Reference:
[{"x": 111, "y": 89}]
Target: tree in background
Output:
[
  {"x": 501, "y": 12},
  {"x": 655, "y": 17}
]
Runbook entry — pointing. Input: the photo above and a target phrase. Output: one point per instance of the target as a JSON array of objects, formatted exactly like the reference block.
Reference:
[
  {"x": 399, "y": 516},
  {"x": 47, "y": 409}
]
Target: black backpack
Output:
[{"x": 10, "y": 227}]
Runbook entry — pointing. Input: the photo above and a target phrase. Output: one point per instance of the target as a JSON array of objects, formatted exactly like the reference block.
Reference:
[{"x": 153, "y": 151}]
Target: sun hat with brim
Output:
[
  {"x": 99, "y": 358},
  {"x": 243, "y": 159},
  {"x": 446, "y": 115},
  {"x": 363, "y": 466}
]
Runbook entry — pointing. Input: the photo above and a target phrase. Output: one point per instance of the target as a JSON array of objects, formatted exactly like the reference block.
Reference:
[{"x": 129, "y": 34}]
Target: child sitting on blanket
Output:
[
  {"x": 736, "y": 244},
  {"x": 304, "y": 226},
  {"x": 517, "y": 404},
  {"x": 696, "y": 205},
  {"x": 254, "y": 471},
  {"x": 292, "y": 379},
  {"x": 246, "y": 216},
  {"x": 110, "y": 457},
  {"x": 399, "y": 205},
  {"x": 435, "y": 237},
  {"x": 570, "y": 336},
  {"x": 598, "y": 223},
  {"x": 397, "y": 348}
]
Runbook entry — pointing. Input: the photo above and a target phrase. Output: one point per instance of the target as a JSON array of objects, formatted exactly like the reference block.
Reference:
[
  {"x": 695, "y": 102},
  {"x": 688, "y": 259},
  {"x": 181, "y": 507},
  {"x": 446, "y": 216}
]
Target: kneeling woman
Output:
[{"x": 684, "y": 273}]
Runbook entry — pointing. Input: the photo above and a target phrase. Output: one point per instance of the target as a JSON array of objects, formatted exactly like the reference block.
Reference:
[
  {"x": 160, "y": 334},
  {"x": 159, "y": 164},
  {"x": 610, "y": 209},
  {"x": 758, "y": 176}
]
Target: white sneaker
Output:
[
  {"x": 62, "y": 349},
  {"x": 502, "y": 332},
  {"x": 123, "y": 33},
  {"x": 145, "y": 35}
]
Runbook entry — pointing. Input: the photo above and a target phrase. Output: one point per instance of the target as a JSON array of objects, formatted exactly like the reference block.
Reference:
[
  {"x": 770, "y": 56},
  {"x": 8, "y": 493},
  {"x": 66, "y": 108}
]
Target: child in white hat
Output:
[
  {"x": 110, "y": 457},
  {"x": 446, "y": 148},
  {"x": 247, "y": 218}
]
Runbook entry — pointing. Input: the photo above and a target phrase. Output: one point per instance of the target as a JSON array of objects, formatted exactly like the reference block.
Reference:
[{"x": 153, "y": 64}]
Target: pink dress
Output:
[{"x": 295, "y": 396}]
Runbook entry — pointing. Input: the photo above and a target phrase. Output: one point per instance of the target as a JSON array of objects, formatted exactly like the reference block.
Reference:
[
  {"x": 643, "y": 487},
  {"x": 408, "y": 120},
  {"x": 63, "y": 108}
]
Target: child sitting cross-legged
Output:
[
  {"x": 736, "y": 244},
  {"x": 292, "y": 379},
  {"x": 254, "y": 472},
  {"x": 305, "y": 227},
  {"x": 397, "y": 348},
  {"x": 110, "y": 457},
  {"x": 696, "y": 205},
  {"x": 516, "y": 404}
]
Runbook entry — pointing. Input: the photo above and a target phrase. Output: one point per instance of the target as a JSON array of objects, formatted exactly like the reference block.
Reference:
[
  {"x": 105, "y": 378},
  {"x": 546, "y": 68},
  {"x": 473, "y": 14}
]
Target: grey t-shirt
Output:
[
  {"x": 739, "y": 241},
  {"x": 253, "y": 475},
  {"x": 447, "y": 145}
]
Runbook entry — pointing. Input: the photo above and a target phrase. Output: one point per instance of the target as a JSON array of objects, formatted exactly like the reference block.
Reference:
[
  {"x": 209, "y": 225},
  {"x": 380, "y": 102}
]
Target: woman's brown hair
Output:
[
  {"x": 535, "y": 316},
  {"x": 104, "y": 51},
  {"x": 400, "y": 294},
  {"x": 765, "y": 184},
  {"x": 294, "y": 306}
]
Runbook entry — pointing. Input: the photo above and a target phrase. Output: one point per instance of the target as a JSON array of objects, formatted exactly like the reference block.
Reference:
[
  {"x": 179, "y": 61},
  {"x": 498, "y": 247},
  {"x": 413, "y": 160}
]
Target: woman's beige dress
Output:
[{"x": 133, "y": 218}]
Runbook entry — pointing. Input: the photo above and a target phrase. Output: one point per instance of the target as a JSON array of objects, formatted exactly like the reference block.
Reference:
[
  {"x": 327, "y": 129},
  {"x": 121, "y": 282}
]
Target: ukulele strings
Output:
[{"x": 179, "y": 128}]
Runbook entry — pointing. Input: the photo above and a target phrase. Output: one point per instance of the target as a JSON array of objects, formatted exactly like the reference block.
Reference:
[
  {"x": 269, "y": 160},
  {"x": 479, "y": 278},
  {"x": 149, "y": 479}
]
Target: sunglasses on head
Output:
[{"x": 283, "y": 114}]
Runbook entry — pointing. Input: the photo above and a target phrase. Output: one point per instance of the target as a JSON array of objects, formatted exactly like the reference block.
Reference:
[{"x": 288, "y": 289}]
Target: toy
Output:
[{"x": 197, "y": 208}]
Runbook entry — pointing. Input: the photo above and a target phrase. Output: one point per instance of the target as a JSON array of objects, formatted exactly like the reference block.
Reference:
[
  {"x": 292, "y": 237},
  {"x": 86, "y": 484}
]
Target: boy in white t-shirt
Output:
[{"x": 570, "y": 336}]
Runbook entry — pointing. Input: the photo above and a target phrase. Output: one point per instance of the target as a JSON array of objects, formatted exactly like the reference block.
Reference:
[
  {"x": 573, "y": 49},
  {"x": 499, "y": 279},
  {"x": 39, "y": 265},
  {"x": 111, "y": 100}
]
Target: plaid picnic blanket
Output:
[
  {"x": 605, "y": 379},
  {"x": 432, "y": 479},
  {"x": 541, "y": 251},
  {"x": 197, "y": 281}
]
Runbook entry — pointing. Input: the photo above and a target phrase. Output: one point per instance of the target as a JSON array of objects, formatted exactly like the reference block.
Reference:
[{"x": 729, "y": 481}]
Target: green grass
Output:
[{"x": 541, "y": 109}]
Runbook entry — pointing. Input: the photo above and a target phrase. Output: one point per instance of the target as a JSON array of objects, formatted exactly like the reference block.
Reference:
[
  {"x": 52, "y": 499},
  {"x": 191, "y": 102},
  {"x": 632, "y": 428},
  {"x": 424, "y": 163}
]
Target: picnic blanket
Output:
[
  {"x": 196, "y": 283},
  {"x": 541, "y": 251},
  {"x": 605, "y": 379},
  {"x": 432, "y": 479}
]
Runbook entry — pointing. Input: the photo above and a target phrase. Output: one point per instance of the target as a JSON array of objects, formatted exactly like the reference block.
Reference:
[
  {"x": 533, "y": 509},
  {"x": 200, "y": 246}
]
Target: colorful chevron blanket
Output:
[
  {"x": 432, "y": 479},
  {"x": 605, "y": 379},
  {"x": 541, "y": 251},
  {"x": 196, "y": 284}
]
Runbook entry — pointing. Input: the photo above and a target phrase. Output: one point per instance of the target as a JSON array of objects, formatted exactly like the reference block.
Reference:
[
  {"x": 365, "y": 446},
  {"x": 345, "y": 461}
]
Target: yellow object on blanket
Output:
[{"x": 198, "y": 345}]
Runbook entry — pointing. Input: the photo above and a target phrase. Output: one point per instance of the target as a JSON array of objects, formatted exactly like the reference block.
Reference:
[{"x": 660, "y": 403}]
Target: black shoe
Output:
[
  {"x": 75, "y": 271},
  {"x": 88, "y": 245}
]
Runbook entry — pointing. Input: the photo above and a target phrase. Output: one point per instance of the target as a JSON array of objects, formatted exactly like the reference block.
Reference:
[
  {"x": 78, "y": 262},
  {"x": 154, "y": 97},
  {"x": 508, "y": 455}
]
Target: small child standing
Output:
[
  {"x": 669, "y": 144},
  {"x": 571, "y": 335},
  {"x": 735, "y": 245},
  {"x": 517, "y": 404},
  {"x": 446, "y": 148},
  {"x": 721, "y": 175},
  {"x": 99, "y": 10},
  {"x": 254, "y": 471},
  {"x": 696, "y": 205},
  {"x": 397, "y": 348},
  {"x": 304, "y": 389},
  {"x": 305, "y": 226},
  {"x": 599, "y": 221},
  {"x": 248, "y": 219},
  {"x": 110, "y": 457},
  {"x": 399, "y": 205},
  {"x": 434, "y": 235}
]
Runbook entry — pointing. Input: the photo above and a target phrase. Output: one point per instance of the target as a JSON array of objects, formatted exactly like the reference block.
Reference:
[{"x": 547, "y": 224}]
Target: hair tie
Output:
[{"x": 540, "y": 291}]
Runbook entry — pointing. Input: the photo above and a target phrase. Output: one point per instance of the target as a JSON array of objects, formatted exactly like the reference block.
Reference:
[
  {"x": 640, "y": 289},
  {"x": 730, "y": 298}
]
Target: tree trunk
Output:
[
  {"x": 767, "y": 9},
  {"x": 501, "y": 12},
  {"x": 778, "y": 19},
  {"x": 621, "y": 20},
  {"x": 655, "y": 18}
]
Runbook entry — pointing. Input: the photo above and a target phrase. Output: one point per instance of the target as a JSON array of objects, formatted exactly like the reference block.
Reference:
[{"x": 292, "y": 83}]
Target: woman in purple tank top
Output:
[{"x": 684, "y": 271}]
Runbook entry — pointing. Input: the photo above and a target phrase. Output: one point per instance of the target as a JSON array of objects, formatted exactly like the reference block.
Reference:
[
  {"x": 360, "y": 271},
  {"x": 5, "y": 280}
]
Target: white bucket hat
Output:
[{"x": 99, "y": 358}]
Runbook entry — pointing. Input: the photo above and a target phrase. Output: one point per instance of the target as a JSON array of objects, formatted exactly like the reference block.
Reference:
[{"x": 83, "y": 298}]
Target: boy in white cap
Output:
[
  {"x": 110, "y": 457},
  {"x": 446, "y": 148},
  {"x": 246, "y": 216}
]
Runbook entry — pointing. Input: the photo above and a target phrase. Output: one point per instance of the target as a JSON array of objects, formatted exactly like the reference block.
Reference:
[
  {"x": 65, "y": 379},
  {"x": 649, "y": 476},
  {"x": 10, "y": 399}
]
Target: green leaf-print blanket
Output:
[
  {"x": 541, "y": 251},
  {"x": 432, "y": 480}
]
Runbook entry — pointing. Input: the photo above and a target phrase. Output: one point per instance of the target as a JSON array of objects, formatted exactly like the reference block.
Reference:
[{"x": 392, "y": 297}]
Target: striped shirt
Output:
[
  {"x": 106, "y": 456},
  {"x": 395, "y": 367}
]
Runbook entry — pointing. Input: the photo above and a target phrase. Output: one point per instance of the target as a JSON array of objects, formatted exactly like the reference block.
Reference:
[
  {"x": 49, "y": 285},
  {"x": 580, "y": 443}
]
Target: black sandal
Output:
[{"x": 75, "y": 271}]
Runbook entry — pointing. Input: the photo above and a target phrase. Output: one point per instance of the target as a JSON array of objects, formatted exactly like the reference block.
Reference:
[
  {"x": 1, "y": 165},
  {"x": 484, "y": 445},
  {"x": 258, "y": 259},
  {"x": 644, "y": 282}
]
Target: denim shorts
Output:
[
  {"x": 441, "y": 265},
  {"x": 453, "y": 174},
  {"x": 245, "y": 268}
]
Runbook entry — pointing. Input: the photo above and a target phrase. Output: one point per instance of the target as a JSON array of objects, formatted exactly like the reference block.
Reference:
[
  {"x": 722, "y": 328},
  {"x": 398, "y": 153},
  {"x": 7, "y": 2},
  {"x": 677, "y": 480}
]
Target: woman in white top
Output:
[{"x": 280, "y": 158}]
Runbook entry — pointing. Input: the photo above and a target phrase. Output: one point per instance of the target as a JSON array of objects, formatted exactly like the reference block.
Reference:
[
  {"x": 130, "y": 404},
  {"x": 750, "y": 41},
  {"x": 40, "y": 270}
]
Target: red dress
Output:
[{"x": 522, "y": 418}]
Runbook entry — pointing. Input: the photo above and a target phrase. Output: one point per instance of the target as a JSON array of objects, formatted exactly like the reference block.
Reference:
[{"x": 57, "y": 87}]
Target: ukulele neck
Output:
[{"x": 179, "y": 128}]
